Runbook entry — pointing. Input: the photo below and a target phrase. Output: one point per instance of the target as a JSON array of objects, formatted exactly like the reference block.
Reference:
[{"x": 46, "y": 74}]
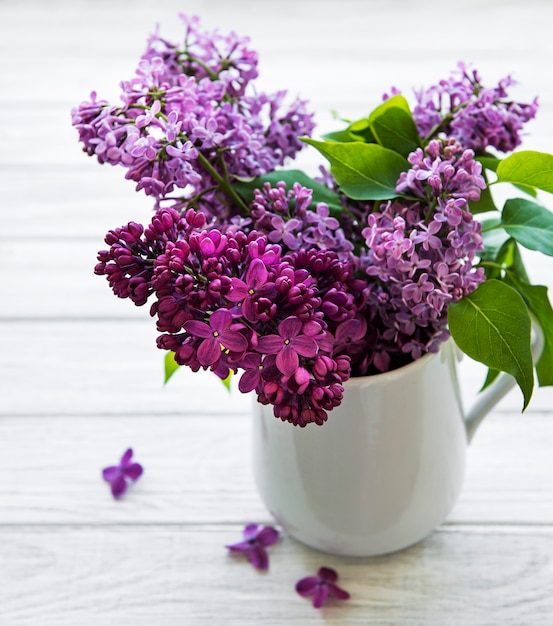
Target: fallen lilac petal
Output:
[
  {"x": 254, "y": 544},
  {"x": 119, "y": 476},
  {"x": 321, "y": 587}
]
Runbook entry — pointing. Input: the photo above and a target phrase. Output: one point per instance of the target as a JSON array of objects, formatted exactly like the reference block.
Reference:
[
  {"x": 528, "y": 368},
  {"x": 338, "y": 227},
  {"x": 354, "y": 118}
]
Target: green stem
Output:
[
  {"x": 497, "y": 266},
  {"x": 192, "y": 59},
  {"x": 224, "y": 184}
]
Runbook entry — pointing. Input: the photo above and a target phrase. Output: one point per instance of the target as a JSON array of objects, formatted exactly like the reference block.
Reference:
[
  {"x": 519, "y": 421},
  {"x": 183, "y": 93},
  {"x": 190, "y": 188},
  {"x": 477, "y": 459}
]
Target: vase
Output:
[{"x": 384, "y": 470}]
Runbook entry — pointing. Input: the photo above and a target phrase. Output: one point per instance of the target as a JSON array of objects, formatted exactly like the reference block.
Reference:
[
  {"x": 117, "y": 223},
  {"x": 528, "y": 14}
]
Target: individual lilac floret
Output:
[
  {"x": 254, "y": 545},
  {"x": 119, "y": 476},
  {"x": 321, "y": 587},
  {"x": 479, "y": 117}
]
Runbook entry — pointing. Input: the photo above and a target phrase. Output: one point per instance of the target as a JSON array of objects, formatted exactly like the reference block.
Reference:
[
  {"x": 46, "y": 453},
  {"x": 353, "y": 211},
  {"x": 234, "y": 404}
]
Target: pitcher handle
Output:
[{"x": 499, "y": 388}]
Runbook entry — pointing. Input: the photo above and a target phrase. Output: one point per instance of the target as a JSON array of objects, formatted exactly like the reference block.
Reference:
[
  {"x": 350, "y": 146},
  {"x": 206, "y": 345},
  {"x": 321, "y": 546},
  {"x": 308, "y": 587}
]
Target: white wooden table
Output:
[{"x": 81, "y": 378}]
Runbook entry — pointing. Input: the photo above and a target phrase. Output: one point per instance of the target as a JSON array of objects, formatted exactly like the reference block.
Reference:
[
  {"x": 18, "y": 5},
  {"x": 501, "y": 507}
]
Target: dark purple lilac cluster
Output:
[
  {"x": 191, "y": 122},
  {"x": 478, "y": 117},
  {"x": 229, "y": 302}
]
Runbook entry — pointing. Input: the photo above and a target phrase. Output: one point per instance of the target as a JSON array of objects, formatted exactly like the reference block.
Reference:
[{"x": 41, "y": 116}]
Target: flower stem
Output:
[{"x": 224, "y": 184}]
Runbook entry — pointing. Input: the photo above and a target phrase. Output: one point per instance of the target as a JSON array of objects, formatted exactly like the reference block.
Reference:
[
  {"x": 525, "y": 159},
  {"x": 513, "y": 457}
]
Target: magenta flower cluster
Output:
[
  {"x": 191, "y": 121},
  {"x": 478, "y": 117},
  {"x": 234, "y": 301}
]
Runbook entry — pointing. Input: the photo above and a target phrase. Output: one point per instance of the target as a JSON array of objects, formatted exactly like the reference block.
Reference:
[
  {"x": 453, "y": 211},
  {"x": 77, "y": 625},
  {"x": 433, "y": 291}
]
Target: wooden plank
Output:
[
  {"x": 83, "y": 367},
  {"x": 73, "y": 367},
  {"x": 198, "y": 469},
  {"x": 183, "y": 575}
]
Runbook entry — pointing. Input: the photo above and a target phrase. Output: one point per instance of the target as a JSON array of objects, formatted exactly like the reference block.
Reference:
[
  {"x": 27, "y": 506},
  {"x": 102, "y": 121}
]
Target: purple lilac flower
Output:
[
  {"x": 445, "y": 167},
  {"x": 289, "y": 345},
  {"x": 448, "y": 169},
  {"x": 321, "y": 587},
  {"x": 423, "y": 259},
  {"x": 220, "y": 333},
  {"x": 287, "y": 217},
  {"x": 294, "y": 296},
  {"x": 233, "y": 302},
  {"x": 119, "y": 476},
  {"x": 188, "y": 119},
  {"x": 254, "y": 545},
  {"x": 478, "y": 117},
  {"x": 252, "y": 289}
]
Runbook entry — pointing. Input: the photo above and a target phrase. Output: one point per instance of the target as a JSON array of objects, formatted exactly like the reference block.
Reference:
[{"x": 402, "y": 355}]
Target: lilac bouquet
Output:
[{"x": 297, "y": 282}]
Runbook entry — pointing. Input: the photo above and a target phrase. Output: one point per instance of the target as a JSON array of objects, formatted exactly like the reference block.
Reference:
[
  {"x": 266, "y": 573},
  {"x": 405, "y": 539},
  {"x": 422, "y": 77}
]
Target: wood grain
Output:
[
  {"x": 183, "y": 575},
  {"x": 198, "y": 470}
]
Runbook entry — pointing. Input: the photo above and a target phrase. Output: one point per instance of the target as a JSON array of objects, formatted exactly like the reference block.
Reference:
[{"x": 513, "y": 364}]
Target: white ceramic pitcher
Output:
[{"x": 384, "y": 470}]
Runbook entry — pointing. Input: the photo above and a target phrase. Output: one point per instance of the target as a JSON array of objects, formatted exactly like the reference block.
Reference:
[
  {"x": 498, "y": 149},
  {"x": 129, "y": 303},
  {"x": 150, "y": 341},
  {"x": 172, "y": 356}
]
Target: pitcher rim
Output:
[{"x": 399, "y": 371}]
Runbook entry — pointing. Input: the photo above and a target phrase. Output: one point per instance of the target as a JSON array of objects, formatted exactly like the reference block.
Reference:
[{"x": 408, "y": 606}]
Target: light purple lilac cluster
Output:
[
  {"x": 191, "y": 122},
  {"x": 287, "y": 217},
  {"x": 418, "y": 256},
  {"x": 478, "y": 117}
]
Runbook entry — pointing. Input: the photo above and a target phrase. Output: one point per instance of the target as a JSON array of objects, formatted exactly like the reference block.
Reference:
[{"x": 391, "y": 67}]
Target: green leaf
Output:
[
  {"x": 494, "y": 237},
  {"x": 490, "y": 377},
  {"x": 492, "y": 326},
  {"x": 359, "y": 130},
  {"x": 489, "y": 162},
  {"x": 492, "y": 163},
  {"x": 170, "y": 366},
  {"x": 393, "y": 126},
  {"x": 530, "y": 224},
  {"x": 364, "y": 171},
  {"x": 510, "y": 258},
  {"x": 527, "y": 168},
  {"x": 226, "y": 381},
  {"x": 320, "y": 192},
  {"x": 539, "y": 304}
]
